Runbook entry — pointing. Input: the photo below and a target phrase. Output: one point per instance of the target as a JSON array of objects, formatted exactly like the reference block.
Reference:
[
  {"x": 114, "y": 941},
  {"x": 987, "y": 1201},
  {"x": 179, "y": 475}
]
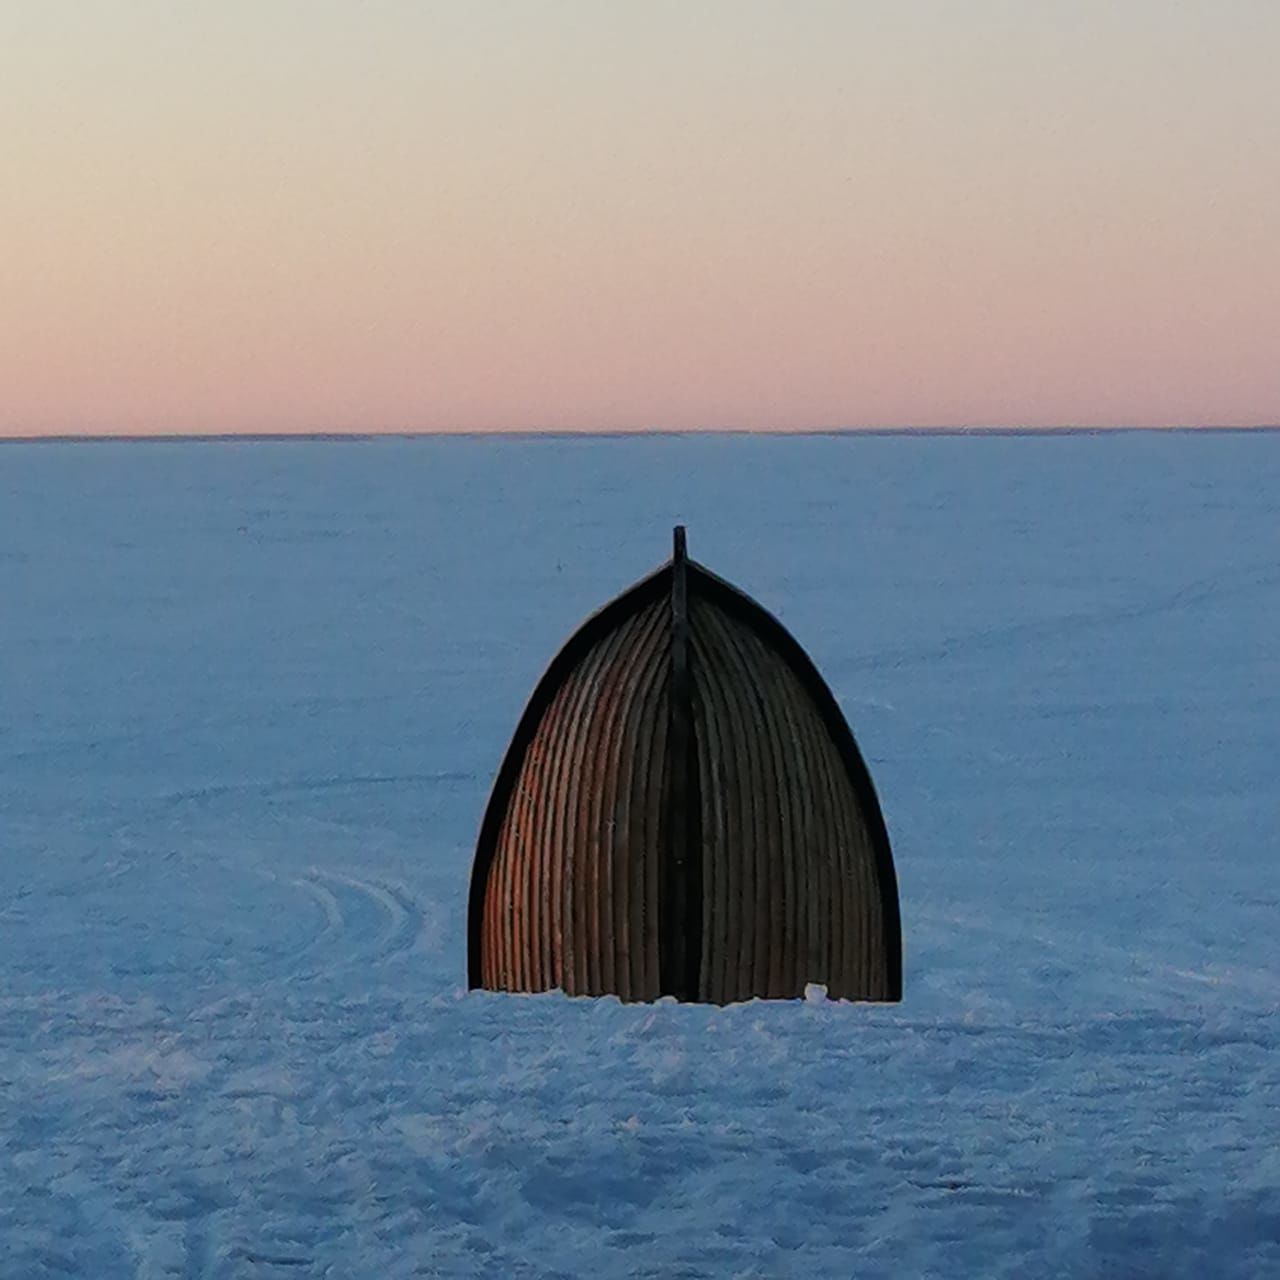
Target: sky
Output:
[{"x": 399, "y": 215}]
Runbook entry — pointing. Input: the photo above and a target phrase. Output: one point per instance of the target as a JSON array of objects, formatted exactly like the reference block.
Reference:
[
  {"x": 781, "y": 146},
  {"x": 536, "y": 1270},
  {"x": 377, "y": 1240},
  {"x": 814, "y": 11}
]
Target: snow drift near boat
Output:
[{"x": 683, "y": 811}]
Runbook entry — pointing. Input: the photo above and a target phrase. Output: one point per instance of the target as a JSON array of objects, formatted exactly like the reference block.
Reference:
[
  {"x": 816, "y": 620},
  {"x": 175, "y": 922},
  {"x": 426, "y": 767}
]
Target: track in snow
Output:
[{"x": 365, "y": 921}]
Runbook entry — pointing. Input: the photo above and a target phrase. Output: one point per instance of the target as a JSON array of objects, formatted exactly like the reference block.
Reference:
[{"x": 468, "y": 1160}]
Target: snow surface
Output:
[{"x": 252, "y": 696}]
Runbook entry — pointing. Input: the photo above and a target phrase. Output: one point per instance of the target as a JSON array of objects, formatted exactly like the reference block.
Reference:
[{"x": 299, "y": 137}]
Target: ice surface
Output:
[{"x": 252, "y": 696}]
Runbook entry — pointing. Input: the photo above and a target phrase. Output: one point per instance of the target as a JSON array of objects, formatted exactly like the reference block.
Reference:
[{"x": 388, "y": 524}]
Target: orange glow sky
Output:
[{"x": 311, "y": 215}]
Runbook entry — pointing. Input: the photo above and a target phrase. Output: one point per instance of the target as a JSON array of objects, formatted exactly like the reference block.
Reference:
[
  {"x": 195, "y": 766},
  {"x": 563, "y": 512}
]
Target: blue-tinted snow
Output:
[{"x": 253, "y": 695}]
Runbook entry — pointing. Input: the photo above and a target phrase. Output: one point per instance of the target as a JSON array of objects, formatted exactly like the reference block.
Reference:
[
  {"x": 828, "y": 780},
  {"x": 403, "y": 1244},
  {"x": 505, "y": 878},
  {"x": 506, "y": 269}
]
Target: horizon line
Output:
[{"x": 606, "y": 433}]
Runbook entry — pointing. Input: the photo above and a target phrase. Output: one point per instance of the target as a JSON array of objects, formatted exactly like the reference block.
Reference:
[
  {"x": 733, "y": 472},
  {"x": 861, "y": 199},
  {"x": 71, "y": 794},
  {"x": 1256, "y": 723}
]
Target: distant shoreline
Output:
[{"x": 353, "y": 437}]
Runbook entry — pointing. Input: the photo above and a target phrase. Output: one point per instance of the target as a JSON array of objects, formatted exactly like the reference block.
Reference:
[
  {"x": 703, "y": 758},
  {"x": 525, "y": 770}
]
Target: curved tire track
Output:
[{"x": 366, "y": 921}]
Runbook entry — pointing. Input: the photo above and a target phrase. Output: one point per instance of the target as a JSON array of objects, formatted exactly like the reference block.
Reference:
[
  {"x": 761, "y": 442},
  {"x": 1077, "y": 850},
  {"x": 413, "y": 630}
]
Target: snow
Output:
[{"x": 252, "y": 698}]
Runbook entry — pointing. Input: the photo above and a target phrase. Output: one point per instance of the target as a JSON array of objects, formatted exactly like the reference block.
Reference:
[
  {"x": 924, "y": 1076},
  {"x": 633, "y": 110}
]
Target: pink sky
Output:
[{"x": 317, "y": 216}]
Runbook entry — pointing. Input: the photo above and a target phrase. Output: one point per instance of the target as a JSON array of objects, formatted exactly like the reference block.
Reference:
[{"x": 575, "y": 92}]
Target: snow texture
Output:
[{"x": 252, "y": 696}]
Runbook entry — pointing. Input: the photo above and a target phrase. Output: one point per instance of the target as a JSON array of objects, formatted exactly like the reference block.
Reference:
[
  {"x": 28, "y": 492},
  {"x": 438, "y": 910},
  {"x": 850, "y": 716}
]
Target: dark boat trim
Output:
[{"x": 680, "y": 962}]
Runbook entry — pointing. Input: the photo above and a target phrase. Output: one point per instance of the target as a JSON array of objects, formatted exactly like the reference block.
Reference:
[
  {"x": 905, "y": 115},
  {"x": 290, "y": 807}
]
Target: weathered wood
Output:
[{"x": 683, "y": 811}]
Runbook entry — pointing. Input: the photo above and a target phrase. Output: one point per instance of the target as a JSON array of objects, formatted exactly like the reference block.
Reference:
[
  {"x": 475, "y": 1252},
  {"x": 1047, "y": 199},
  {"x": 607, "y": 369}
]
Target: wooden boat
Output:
[{"x": 683, "y": 811}]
